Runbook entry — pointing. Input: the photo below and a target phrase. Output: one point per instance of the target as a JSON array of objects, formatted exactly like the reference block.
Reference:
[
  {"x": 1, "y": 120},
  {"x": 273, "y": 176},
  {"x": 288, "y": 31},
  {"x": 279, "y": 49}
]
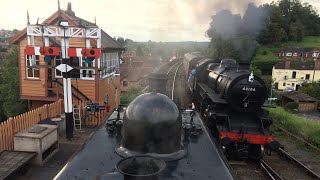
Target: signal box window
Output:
[
  {"x": 294, "y": 74},
  {"x": 32, "y": 71},
  {"x": 125, "y": 83},
  {"x": 307, "y": 76},
  {"x": 86, "y": 73}
]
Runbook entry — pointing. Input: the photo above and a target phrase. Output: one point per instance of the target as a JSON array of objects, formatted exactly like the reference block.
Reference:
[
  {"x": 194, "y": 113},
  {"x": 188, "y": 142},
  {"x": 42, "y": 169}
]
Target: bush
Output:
[
  {"x": 130, "y": 95},
  {"x": 291, "y": 107},
  {"x": 265, "y": 65}
]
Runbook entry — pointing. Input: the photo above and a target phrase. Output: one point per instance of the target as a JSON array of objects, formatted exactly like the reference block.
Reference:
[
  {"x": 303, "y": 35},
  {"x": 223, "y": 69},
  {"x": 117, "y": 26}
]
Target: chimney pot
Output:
[{"x": 287, "y": 65}]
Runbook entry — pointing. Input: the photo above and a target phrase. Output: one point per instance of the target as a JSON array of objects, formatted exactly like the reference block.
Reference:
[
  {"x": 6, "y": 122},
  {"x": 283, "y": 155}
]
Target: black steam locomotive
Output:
[{"x": 230, "y": 99}]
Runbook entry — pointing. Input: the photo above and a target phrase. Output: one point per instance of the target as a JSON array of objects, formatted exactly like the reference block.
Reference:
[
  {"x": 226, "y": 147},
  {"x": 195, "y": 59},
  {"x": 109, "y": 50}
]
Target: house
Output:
[
  {"x": 134, "y": 69},
  {"x": 96, "y": 80},
  {"x": 290, "y": 75},
  {"x": 130, "y": 79},
  {"x": 306, "y": 103},
  {"x": 291, "y": 53}
]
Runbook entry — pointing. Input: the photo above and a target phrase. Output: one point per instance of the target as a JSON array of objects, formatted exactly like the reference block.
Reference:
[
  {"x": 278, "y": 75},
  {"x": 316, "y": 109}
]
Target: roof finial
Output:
[
  {"x": 95, "y": 20},
  {"x": 58, "y": 5},
  {"x": 28, "y": 18}
]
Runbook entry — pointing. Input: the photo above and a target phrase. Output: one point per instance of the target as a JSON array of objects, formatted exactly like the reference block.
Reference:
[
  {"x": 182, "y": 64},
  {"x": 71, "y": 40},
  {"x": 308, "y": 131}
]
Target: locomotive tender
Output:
[{"x": 230, "y": 99}]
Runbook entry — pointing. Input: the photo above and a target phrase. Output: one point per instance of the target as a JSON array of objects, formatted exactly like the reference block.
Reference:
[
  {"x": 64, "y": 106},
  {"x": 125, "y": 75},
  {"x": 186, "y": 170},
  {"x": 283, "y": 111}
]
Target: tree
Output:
[
  {"x": 121, "y": 41},
  {"x": 139, "y": 51},
  {"x": 11, "y": 104},
  {"x": 312, "y": 89}
]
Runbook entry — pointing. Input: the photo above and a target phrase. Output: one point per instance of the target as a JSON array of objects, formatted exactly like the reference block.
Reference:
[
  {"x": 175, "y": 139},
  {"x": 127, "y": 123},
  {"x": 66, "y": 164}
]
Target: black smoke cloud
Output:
[{"x": 241, "y": 31}]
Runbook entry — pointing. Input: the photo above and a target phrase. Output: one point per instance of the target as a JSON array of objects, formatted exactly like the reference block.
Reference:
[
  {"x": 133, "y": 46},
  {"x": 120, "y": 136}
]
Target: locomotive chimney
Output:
[{"x": 243, "y": 65}]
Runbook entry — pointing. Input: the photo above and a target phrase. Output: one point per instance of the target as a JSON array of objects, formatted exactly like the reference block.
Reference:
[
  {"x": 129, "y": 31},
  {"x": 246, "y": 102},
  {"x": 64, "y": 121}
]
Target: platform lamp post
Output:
[
  {"x": 65, "y": 69},
  {"x": 315, "y": 62}
]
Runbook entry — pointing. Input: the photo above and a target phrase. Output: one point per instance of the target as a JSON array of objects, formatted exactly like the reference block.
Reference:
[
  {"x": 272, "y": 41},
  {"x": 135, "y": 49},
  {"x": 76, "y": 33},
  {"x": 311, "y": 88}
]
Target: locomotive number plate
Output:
[{"x": 248, "y": 89}]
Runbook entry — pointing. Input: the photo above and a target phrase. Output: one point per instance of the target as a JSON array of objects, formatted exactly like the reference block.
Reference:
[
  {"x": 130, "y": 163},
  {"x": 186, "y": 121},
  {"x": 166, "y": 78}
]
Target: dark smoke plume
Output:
[{"x": 242, "y": 32}]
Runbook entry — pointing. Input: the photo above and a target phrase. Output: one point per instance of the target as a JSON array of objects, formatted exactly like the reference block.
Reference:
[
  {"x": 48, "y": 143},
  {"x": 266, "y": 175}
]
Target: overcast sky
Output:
[{"x": 140, "y": 20}]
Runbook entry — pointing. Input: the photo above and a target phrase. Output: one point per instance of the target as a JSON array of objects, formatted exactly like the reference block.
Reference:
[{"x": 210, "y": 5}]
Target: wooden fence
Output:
[{"x": 16, "y": 124}]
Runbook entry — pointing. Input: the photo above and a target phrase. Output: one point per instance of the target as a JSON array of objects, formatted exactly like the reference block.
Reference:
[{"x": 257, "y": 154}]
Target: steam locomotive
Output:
[{"x": 230, "y": 99}]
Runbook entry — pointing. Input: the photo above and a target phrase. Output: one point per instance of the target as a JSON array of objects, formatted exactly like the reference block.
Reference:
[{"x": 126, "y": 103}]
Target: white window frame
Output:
[
  {"x": 315, "y": 54},
  {"x": 82, "y": 63},
  {"x": 288, "y": 54},
  {"x": 32, "y": 61},
  {"x": 109, "y": 63}
]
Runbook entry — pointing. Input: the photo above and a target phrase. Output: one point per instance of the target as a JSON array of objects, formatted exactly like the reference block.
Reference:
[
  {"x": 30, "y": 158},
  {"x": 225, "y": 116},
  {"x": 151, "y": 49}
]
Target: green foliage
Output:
[
  {"x": 290, "y": 20},
  {"x": 291, "y": 107},
  {"x": 139, "y": 51},
  {"x": 130, "y": 95},
  {"x": 312, "y": 89},
  {"x": 10, "y": 103},
  {"x": 220, "y": 48},
  {"x": 265, "y": 65},
  {"x": 255, "y": 70},
  {"x": 165, "y": 50},
  {"x": 309, "y": 41},
  {"x": 307, "y": 129}
]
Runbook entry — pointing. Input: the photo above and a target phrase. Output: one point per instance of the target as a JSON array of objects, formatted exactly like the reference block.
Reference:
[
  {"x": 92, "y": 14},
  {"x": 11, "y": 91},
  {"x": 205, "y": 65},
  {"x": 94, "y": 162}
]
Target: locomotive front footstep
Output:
[{"x": 151, "y": 144}]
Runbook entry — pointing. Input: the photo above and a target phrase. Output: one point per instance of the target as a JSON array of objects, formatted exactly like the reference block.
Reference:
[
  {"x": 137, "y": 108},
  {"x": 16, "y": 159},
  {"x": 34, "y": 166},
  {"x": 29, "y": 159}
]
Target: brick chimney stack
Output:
[
  {"x": 317, "y": 64},
  {"x": 69, "y": 10},
  {"x": 287, "y": 64}
]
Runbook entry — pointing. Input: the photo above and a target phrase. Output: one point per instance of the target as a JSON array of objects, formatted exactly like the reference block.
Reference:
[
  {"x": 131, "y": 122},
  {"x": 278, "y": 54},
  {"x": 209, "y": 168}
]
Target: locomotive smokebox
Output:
[
  {"x": 152, "y": 126},
  {"x": 158, "y": 82}
]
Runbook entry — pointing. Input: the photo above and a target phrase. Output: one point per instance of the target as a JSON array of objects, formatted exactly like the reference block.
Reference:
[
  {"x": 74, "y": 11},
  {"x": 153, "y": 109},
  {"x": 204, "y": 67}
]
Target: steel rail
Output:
[
  {"x": 174, "y": 80},
  {"x": 172, "y": 68},
  {"x": 281, "y": 151},
  {"x": 271, "y": 173}
]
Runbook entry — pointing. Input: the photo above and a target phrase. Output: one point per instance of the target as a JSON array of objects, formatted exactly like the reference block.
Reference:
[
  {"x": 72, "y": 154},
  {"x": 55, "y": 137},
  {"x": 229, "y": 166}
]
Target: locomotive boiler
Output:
[{"x": 230, "y": 99}]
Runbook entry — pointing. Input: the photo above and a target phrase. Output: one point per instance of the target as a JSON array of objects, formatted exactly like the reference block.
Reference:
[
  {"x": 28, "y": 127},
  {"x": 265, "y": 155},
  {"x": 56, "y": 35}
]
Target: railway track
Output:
[
  {"x": 282, "y": 165},
  {"x": 279, "y": 166}
]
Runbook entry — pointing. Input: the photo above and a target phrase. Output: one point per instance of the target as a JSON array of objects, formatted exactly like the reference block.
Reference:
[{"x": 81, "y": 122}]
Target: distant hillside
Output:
[
  {"x": 265, "y": 56},
  {"x": 266, "y": 53}
]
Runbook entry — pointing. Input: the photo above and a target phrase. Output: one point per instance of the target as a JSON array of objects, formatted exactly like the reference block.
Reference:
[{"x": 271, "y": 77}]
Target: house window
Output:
[
  {"x": 315, "y": 54},
  {"x": 284, "y": 84},
  {"x": 285, "y": 77},
  {"x": 295, "y": 54},
  {"x": 109, "y": 63},
  {"x": 32, "y": 72},
  {"x": 294, "y": 74},
  {"x": 125, "y": 83},
  {"x": 288, "y": 54},
  {"x": 86, "y": 73},
  {"x": 292, "y": 84},
  {"x": 57, "y": 62},
  {"x": 307, "y": 76}
]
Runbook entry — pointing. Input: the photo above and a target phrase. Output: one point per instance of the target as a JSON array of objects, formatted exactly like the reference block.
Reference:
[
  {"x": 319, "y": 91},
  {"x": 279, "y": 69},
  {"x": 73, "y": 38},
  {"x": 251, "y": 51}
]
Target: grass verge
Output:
[
  {"x": 307, "y": 129},
  {"x": 130, "y": 95}
]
